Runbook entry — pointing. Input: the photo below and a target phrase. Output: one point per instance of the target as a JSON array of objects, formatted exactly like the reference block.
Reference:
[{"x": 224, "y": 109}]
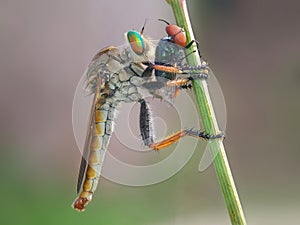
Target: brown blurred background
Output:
[{"x": 253, "y": 48}]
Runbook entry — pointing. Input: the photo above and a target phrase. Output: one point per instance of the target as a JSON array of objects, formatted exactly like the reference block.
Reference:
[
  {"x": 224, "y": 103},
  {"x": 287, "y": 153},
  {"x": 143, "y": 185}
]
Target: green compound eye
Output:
[{"x": 136, "y": 42}]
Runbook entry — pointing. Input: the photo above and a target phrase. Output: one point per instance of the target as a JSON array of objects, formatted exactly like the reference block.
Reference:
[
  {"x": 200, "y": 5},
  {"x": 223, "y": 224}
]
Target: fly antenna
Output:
[
  {"x": 164, "y": 21},
  {"x": 143, "y": 28}
]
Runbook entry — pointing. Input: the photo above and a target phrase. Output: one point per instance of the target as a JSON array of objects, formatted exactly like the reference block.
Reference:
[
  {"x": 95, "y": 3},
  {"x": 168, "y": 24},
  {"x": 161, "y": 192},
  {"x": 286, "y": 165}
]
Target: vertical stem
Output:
[{"x": 209, "y": 121}]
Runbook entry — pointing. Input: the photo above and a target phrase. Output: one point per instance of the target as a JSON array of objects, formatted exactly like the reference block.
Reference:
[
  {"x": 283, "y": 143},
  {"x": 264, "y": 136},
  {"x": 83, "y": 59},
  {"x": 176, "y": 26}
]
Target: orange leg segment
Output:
[
  {"x": 176, "y": 137},
  {"x": 168, "y": 141},
  {"x": 168, "y": 69},
  {"x": 178, "y": 82}
]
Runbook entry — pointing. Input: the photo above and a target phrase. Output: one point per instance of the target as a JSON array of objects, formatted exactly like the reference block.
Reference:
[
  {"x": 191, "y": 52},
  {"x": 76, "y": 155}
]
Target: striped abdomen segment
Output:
[{"x": 98, "y": 142}]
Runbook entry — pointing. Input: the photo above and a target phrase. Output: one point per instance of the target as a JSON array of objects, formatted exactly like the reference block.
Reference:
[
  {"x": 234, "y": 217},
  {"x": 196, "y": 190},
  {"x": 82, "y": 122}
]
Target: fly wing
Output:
[
  {"x": 84, "y": 164},
  {"x": 107, "y": 61}
]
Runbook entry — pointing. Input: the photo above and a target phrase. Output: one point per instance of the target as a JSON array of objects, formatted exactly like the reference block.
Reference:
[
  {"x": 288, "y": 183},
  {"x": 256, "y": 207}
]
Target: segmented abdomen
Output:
[{"x": 100, "y": 136}]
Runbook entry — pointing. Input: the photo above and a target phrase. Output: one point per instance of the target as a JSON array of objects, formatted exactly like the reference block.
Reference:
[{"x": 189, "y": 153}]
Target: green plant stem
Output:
[{"x": 209, "y": 121}]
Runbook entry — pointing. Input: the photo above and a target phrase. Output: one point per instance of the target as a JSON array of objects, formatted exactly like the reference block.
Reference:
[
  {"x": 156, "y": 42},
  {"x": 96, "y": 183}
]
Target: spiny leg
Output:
[
  {"x": 183, "y": 82},
  {"x": 178, "y": 135},
  {"x": 194, "y": 72},
  {"x": 146, "y": 129},
  {"x": 146, "y": 126}
]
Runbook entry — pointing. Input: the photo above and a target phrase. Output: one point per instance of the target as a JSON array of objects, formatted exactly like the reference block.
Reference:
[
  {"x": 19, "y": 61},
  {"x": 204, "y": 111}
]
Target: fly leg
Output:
[
  {"x": 146, "y": 129},
  {"x": 181, "y": 83},
  {"x": 195, "y": 72},
  {"x": 146, "y": 126},
  {"x": 187, "y": 132},
  {"x": 184, "y": 83}
]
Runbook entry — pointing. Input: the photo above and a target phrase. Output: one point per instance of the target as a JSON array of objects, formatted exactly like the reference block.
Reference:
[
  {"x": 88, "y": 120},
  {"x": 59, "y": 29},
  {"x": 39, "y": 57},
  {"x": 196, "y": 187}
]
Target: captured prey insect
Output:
[{"x": 117, "y": 75}]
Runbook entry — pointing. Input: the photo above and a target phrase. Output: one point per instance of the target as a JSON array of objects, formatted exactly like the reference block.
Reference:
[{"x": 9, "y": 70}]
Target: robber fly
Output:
[{"x": 116, "y": 75}]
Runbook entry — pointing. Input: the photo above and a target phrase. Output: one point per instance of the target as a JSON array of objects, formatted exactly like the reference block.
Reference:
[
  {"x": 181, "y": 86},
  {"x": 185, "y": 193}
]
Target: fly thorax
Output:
[
  {"x": 124, "y": 75},
  {"x": 113, "y": 82},
  {"x": 114, "y": 65},
  {"x": 137, "y": 81}
]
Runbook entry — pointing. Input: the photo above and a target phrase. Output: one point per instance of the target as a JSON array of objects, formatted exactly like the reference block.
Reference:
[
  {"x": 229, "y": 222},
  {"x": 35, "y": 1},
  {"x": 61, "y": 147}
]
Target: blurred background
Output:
[{"x": 253, "y": 48}]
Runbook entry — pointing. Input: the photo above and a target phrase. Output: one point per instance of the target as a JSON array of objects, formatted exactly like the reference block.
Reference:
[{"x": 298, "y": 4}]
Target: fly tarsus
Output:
[
  {"x": 204, "y": 135},
  {"x": 186, "y": 86},
  {"x": 200, "y": 76}
]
